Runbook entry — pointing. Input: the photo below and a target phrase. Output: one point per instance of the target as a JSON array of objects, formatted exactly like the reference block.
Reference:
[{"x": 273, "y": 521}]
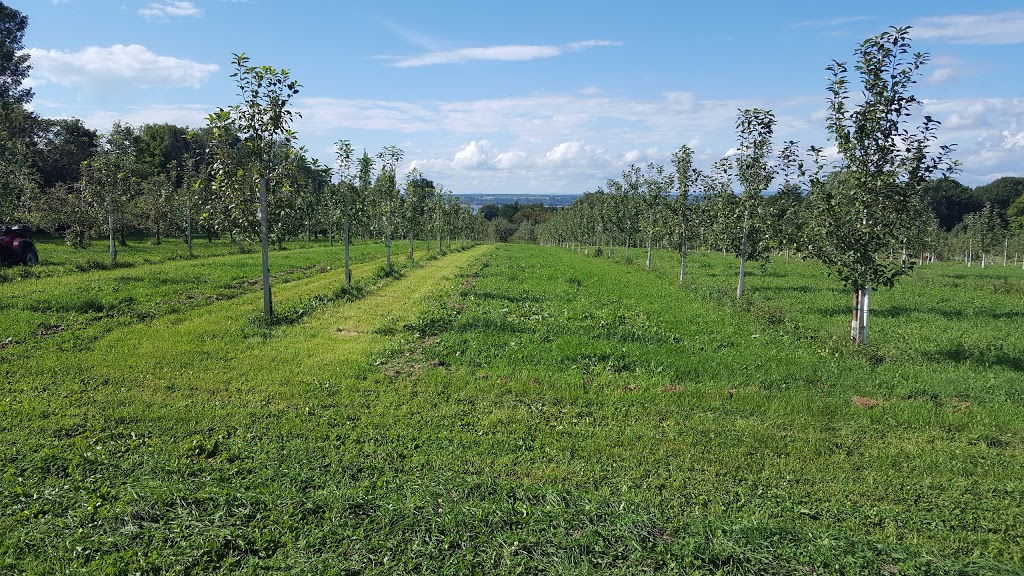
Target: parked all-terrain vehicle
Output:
[{"x": 17, "y": 247}]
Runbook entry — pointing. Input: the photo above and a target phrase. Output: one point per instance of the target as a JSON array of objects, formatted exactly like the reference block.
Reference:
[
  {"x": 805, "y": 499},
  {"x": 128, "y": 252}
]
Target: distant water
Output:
[{"x": 476, "y": 201}]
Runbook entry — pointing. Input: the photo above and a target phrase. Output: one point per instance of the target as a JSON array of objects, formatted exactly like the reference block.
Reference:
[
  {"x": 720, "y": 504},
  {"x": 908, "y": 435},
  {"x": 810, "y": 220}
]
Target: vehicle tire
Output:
[{"x": 31, "y": 257}]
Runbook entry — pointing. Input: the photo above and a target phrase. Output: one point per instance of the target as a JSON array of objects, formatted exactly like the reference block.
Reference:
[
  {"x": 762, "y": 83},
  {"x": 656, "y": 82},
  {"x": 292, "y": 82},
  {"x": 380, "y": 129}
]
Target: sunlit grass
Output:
[{"x": 517, "y": 409}]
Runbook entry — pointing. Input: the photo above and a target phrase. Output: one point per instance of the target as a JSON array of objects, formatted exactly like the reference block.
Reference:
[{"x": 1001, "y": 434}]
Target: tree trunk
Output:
[
  {"x": 412, "y": 245},
  {"x": 743, "y": 259},
  {"x": 268, "y": 306},
  {"x": 387, "y": 235},
  {"x": 188, "y": 227},
  {"x": 110, "y": 227},
  {"x": 650, "y": 242},
  {"x": 348, "y": 269},
  {"x": 859, "y": 323},
  {"x": 682, "y": 259}
]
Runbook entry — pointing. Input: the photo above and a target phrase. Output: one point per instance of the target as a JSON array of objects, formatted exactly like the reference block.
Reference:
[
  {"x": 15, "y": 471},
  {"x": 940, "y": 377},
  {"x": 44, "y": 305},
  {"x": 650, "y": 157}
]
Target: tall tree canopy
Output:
[{"x": 14, "y": 66}]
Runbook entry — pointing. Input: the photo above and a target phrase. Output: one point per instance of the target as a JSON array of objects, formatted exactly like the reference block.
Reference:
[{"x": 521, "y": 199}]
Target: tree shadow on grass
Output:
[
  {"x": 982, "y": 358},
  {"x": 947, "y": 313}
]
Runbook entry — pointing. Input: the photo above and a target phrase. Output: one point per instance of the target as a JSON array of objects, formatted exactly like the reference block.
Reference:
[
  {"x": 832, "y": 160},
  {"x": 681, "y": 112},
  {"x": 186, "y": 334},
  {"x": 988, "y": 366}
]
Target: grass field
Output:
[{"x": 508, "y": 409}]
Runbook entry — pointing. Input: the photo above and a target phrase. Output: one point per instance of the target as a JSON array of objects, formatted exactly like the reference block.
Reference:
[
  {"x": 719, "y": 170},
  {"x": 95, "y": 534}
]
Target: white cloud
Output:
[
  {"x": 511, "y": 160},
  {"x": 940, "y": 76},
  {"x": 832, "y": 22},
  {"x": 475, "y": 155},
  {"x": 643, "y": 156},
  {"x": 988, "y": 132},
  {"x": 500, "y": 53},
  {"x": 108, "y": 68},
  {"x": 169, "y": 9},
  {"x": 1011, "y": 141},
  {"x": 184, "y": 115},
  {"x": 584, "y": 44},
  {"x": 1000, "y": 28},
  {"x": 565, "y": 152}
]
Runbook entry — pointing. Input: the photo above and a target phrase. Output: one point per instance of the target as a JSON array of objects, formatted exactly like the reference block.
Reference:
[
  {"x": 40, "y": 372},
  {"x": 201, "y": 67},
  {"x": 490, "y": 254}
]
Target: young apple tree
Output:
[
  {"x": 867, "y": 205},
  {"x": 754, "y": 128},
  {"x": 261, "y": 122},
  {"x": 387, "y": 189},
  {"x": 686, "y": 179}
]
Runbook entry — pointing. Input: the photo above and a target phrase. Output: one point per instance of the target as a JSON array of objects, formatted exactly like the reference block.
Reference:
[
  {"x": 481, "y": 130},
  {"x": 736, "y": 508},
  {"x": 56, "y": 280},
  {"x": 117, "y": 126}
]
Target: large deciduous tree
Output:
[
  {"x": 18, "y": 179},
  {"x": 876, "y": 196}
]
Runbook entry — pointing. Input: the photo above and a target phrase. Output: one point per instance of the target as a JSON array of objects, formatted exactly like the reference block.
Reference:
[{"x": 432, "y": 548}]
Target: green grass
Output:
[{"x": 516, "y": 409}]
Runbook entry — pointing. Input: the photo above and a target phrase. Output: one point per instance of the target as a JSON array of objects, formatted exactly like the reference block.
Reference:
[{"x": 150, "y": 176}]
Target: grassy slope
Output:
[{"x": 542, "y": 412}]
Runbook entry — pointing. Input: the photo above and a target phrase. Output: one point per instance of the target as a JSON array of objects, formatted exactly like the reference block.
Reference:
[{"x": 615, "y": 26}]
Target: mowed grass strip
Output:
[
  {"x": 504, "y": 410},
  {"x": 584, "y": 376},
  {"x": 179, "y": 427},
  {"x": 39, "y": 311}
]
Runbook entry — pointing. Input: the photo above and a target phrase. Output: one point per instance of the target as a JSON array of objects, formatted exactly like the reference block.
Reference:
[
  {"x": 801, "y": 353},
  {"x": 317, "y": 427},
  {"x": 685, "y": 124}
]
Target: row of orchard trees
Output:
[
  {"x": 165, "y": 180},
  {"x": 241, "y": 176},
  {"x": 862, "y": 214}
]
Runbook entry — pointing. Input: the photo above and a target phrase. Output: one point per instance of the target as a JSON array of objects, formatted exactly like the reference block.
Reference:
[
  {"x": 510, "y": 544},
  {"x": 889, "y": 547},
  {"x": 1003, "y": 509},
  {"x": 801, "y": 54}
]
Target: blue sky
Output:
[{"x": 527, "y": 96}]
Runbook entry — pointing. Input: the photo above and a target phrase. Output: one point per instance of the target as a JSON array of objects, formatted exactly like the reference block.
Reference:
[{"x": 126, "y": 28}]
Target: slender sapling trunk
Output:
[{"x": 268, "y": 306}]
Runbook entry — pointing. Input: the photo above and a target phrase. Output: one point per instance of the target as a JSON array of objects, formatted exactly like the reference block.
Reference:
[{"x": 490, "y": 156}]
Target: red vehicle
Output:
[{"x": 17, "y": 247}]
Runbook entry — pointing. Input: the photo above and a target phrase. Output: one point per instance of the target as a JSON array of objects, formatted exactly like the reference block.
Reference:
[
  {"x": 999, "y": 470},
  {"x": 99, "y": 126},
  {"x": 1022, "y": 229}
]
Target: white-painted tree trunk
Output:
[
  {"x": 682, "y": 261},
  {"x": 859, "y": 322}
]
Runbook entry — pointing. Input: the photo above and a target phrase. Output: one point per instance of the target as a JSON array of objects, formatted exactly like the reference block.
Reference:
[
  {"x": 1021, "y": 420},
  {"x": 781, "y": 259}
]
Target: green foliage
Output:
[
  {"x": 950, "y": 201},
  {"x": 251, "y": 142},
  {"x": 874, "y": 200},
  {"x": 1001, "y": 193},
  {"x": 14, "y": 61},
  {"x": 1015, "y": 215}
]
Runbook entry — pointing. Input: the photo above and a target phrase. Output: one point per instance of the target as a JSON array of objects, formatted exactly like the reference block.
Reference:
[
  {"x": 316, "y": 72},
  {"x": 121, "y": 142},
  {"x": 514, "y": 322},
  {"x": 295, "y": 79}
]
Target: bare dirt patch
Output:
[{"x": 864, "y": 402}]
